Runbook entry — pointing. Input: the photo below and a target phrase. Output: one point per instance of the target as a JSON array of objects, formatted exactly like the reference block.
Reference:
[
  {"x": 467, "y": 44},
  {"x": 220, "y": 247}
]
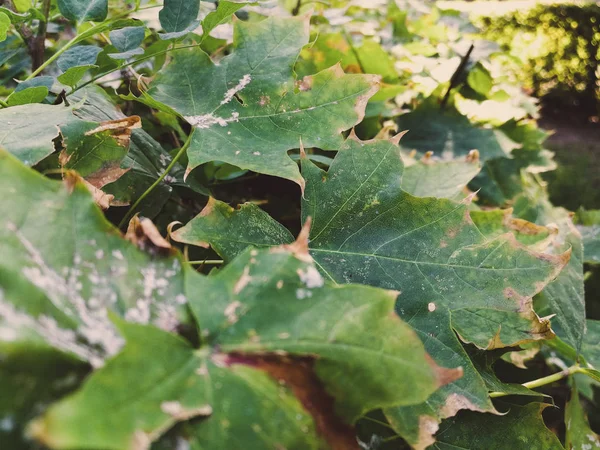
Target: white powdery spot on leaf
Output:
[
  {"x": 303, "y": 293},
  {"x": 208, "y": 120},
  {"x": 237, "y": 88},
  {"x": 157, "y": 306},
  {"x": 65, "y": 294},
  {"x": 311, "y": 277},
  {"x": 48, "y": 329}
]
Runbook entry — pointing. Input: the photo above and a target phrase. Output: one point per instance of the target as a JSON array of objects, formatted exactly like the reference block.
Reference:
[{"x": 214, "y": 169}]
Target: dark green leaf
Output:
[
  {"x": 81, "y": 55},
  {"x": 178, "y": 15},
  {"x": 521, "y": 428},
  {"x": 230, "y": 231},
  {"x": 447, "y": 132}
]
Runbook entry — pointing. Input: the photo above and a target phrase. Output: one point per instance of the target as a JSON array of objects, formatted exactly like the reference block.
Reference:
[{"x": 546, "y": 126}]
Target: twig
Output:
[
  {"x": 38, "y": 46},
  {"x": 296, "y": 9},
  {"x": 456, "y": 75},
  {"x": 206, "y": 261},
  {"x": 543, "y": 381}
]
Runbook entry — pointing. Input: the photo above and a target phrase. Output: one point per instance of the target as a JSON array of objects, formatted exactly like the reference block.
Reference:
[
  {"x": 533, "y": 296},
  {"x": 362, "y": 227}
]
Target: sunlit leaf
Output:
[{"x": 249, "y": 110}]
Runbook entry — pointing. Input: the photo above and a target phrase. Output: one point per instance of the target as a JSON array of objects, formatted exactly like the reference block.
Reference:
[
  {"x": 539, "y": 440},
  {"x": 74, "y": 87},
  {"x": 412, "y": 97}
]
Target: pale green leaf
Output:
[
  {"x": 84, "y": 10},
  {"x": 35, "y": 94},
  {"x": 73, "y": 75},
  {"x": 31, "y": 140},
  {"x": 435, "y": 178},
  {"x": 4, "y": 26},
  {"x": 223, "y": 13},
  {"x": 480, "y": 79}
]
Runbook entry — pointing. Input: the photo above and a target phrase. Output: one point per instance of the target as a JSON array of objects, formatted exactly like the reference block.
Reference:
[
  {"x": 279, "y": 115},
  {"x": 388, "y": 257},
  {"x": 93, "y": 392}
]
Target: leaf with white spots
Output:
[
  {"x": 249, "y": 110},
  {"x": 275, "y": 302},
  {"x": 579, "y": 435},
  {"x": 258, "y": 359},
  {"x": 451, "y": 277},
  {"x": 59, "y": 280}
]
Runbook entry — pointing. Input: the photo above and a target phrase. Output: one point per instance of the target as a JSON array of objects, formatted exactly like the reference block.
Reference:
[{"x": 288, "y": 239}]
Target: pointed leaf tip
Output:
[
  {"x": 299, "y": 248},
  {"x": 396, "y": 139}
]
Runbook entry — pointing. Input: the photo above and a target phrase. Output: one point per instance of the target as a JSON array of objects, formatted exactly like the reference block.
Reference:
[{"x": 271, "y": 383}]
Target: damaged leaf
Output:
[
  {"x": 521, "y": 428},
  {"x": 451, "y": 277},
  {"x": 256, "y": 351},
  {"x": 59, "y": 281},
  {"x": 96, "y": 151}
]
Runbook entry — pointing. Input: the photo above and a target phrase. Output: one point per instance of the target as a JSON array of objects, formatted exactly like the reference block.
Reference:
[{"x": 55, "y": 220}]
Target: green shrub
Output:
[{"x": 560, "y": 48}]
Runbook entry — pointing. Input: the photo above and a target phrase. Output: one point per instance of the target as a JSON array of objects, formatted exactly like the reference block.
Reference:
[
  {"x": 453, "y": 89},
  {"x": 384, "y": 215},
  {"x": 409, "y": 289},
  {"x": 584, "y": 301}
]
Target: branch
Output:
[{"x": 456, "y": 75}]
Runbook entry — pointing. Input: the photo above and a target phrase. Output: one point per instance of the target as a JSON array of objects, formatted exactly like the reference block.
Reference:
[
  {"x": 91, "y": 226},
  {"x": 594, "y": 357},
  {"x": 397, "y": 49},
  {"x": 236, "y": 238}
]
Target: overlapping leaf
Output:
[
  {"x": 253, "y": 318},
  {"x": 31, "y": 141},
  {"x": 249, "y": 110},
  {"x": 565, "y": 295},
  {"x": 447, "y": 132},
  {"x": 366, "y": 229},
  {"x": 522, "y": 428},
  {"x": 443, "y": 179},
  {"x": 60, "y": 280}
]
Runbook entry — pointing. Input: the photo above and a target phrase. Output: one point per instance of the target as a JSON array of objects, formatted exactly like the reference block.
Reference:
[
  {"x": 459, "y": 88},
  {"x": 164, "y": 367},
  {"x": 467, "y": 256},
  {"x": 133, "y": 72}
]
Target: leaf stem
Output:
[
  {"x": 206, "y": 261},
  {"x": 3, "y": 104},
  {"x": 158, "y": 181},
  {"x": 543, "y": 381}
]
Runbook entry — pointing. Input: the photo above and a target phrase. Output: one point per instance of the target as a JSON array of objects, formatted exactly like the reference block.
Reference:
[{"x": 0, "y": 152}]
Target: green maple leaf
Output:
[
  {"x": 452, "y": 278},
  {"x": 449, "y": 132},
  {"x": 521, "y": 428},
  {"x": 70, "y": 289},
  {"x": 249, "y": 110},
  {"x": 267, "y": 313},
  {"x": 565, "y": 296},
  {"x": 435, "y": 178},
  {"x": 58, "y": 281}
]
